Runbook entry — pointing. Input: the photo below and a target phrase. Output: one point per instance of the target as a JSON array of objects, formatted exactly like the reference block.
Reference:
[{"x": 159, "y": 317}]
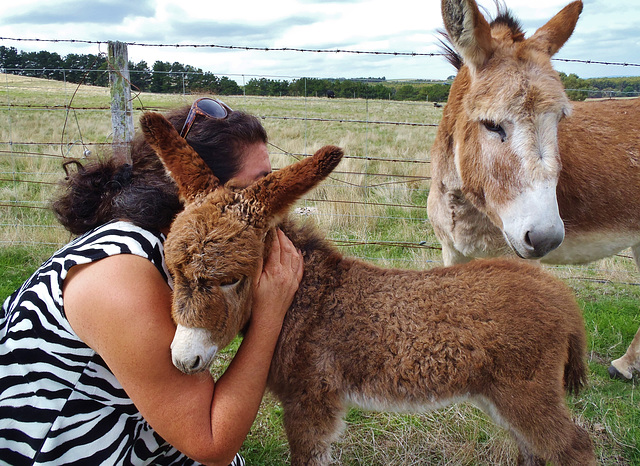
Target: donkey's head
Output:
[
  {"x": 503, "y": 114},
  {"x": 214, "y": 247}
]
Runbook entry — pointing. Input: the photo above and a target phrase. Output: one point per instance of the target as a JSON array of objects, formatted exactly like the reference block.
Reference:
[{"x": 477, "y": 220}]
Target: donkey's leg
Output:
[
  {"x": 623, "y": 367},
  {"x": 537, "y": 416},
  {"x": 311, "y": 426}
]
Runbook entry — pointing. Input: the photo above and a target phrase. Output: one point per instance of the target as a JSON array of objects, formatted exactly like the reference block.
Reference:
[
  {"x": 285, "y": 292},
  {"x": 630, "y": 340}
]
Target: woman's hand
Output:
[{"x": 277, "y": 283}]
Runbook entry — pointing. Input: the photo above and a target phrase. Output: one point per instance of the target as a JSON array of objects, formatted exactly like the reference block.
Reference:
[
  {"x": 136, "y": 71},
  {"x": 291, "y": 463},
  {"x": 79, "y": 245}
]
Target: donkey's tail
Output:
[{"x": 575, "y": 371}]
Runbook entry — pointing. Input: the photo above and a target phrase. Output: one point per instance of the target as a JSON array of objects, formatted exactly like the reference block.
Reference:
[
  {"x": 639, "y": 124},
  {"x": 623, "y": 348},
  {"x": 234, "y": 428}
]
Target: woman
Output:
[{"x": 87, "y": 376}]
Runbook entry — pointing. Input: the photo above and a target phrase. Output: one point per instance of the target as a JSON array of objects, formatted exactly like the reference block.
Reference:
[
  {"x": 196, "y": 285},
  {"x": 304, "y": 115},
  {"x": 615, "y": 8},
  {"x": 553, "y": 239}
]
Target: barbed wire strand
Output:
[{"x": 295, "y": 49}]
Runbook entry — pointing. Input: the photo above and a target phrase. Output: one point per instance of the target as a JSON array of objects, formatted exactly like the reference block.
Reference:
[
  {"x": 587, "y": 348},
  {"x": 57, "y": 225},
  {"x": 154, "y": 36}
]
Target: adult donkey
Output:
[{"x": 511, "y": 171}]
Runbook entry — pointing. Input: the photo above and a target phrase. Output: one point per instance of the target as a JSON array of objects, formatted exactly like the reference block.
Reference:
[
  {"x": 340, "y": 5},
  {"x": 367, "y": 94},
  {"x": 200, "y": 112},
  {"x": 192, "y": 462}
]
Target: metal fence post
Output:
[{"x": 121, "y": 106}]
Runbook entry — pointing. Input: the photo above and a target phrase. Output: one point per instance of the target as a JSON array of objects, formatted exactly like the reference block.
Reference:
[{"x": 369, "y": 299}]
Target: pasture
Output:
[{"x": 373, "y": 206}]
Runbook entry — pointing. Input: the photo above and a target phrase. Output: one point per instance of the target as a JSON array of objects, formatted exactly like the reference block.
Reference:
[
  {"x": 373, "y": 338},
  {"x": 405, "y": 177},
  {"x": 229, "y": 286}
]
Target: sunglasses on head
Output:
[{"x": 207, "y": 107}]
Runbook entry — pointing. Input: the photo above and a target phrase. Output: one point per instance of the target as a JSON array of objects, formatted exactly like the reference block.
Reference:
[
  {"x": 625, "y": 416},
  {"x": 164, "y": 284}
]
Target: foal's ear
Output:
[
  {"x": 552, "y": 36},
  {"x": 186, "y": 167},
  {"x": 278, "y": 191},
  {"x": 468, "y": 31}
]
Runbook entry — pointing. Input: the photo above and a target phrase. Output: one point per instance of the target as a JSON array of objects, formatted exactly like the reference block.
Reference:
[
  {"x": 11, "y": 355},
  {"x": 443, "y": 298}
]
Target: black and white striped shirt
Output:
[{"x": 59, "y": 402}]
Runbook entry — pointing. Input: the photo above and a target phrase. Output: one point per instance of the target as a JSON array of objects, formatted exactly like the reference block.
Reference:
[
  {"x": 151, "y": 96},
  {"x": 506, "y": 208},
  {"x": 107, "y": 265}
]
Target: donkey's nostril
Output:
[
  {"x": 195, "y": 364},
  {"x": 539, "y": 242},
  {"x": 527, "y": 240},
  {"x": 192, "y": 350}
]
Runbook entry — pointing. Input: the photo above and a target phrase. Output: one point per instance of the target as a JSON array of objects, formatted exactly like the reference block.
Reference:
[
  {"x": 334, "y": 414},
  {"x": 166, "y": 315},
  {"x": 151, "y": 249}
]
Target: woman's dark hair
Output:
[{"x": 142, "y": 192}]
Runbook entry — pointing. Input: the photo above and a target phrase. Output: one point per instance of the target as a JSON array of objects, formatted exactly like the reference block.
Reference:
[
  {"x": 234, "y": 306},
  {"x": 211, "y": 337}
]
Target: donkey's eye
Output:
[{"x": 495, "y": 128}]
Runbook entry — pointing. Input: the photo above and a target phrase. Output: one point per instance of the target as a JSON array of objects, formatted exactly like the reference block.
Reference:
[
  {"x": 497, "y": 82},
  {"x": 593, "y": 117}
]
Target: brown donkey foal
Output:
[{"x": 502, "y": 334}]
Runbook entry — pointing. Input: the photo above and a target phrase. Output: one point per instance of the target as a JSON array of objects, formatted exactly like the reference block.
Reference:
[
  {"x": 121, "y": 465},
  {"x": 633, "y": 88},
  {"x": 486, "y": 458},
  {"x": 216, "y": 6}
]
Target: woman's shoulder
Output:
[
  {"x": 124, "y": 236},
  {"x": 114, "y": 239},
  {"x": 107, "y": 300}
]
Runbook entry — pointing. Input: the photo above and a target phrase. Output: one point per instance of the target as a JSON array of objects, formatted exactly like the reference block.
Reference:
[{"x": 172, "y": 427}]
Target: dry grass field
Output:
[{"x": 377, "y": 194}]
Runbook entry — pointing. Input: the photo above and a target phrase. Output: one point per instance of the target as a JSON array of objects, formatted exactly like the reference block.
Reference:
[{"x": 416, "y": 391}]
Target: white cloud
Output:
[{"x": 603, "y": 33}]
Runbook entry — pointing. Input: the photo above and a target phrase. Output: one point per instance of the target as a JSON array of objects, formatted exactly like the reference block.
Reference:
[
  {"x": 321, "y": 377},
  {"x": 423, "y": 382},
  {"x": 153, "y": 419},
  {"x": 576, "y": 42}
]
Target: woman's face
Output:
[{"x": 256, "y": 164}]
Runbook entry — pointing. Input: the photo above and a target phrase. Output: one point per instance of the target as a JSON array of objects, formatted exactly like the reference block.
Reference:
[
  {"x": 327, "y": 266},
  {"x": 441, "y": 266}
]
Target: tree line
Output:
[
  {"x": 162, "y": 77},
  {"x": 581, "y": 89},
  {"x": 165, "y": 77},
  {"x": 363, "y": 88}
]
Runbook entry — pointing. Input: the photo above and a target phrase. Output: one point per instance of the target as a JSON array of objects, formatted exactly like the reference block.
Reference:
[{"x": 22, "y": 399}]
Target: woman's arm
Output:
[
  {"x": 120, "y": 306},
  {"x": 238, "y": 392}
]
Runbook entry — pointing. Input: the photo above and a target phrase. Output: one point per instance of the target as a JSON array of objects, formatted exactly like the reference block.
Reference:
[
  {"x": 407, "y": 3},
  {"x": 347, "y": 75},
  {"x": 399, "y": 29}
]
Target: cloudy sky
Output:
[{"x": 608, "y": 31}]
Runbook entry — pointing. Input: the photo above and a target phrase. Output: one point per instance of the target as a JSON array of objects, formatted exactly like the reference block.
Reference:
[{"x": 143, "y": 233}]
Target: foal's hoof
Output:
[{"x": 616, "y": 374}]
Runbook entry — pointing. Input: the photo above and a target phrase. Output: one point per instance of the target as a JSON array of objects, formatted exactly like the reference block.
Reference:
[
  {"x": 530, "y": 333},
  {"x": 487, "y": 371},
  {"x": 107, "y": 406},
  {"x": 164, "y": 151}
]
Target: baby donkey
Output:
[{"x": 504, "y": 335}]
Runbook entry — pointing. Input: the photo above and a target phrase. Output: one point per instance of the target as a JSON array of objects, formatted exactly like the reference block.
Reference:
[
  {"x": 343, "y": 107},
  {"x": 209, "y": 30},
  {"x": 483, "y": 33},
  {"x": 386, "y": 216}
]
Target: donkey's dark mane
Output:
[
  {"x": 504, "y": 17},
  {"x": 448, "y": 51}
]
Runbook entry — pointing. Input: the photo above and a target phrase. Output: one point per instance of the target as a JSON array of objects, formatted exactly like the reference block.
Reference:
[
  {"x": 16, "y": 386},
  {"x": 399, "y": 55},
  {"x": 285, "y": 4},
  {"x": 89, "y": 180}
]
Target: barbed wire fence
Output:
[{"x": 30, "y": 160}]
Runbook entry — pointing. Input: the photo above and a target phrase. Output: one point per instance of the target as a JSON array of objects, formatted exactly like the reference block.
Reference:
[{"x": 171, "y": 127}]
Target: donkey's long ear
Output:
[
  {"x": 278, "y": 191},
  {"x": 552, "y": 36},
  {"x": 194, "y": 177},
  {"x": 468, "y": 31}
]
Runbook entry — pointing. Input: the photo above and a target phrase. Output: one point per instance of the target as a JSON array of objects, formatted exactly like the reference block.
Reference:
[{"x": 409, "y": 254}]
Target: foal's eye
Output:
[
  {"x": 229, "y": 281},
  {"x": 495, "y": 128}
]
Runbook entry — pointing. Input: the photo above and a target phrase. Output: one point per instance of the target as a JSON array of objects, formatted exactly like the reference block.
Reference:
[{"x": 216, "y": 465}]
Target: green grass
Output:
[
  {"x": 388, "y": 234},
  {"x": 611, "y": 407},
  {"x": 17, "y": 264}
]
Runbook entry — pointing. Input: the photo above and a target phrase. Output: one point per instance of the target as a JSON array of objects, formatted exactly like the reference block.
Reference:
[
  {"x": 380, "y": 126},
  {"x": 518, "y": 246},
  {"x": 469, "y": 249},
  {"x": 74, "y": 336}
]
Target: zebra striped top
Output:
[{"x": 59, "y": 402}]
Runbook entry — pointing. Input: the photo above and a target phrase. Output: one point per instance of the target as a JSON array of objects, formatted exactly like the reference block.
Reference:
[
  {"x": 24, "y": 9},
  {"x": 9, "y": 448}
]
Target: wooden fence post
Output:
[{"x": 121, "y": 106}]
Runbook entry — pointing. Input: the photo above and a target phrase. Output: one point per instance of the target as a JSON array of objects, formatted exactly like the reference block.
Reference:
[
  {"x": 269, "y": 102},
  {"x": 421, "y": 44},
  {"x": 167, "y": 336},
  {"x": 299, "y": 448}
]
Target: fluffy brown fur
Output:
[
  {"x": 592, "y": 156},
  {"x": 500, "y": 333}
]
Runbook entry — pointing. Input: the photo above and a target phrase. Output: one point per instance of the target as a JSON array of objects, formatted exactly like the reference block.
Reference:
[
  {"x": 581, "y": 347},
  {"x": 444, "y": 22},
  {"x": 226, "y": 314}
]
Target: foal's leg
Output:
[
  {"x": 527, "y": 458},
  {"x": 311, "y": 426},
  {"x": 536, "y": 415}
]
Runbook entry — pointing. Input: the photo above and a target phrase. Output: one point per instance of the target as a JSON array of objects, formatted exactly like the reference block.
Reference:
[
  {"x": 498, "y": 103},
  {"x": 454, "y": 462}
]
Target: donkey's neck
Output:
[{"x": 443, "y": 149}]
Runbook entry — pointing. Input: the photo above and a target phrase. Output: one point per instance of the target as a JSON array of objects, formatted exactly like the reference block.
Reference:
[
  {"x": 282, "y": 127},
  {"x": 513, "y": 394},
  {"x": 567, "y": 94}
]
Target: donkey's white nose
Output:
[
  {"x": 531, "y": 222},
  {"x": 192, "y": 350}
]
